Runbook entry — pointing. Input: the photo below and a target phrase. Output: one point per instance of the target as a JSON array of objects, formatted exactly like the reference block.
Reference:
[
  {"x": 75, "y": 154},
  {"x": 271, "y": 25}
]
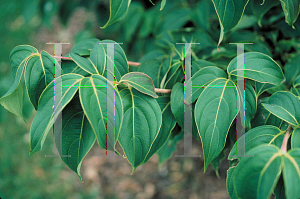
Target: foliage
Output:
[{"x": 150, "y": 99}]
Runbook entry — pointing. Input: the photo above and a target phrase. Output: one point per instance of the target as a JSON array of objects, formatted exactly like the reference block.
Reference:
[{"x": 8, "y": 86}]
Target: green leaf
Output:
[
  {"x": 174, "y": 74},
  {"x": 291, "y": 10},
  {"x": 229, "y": 14},
  {"x": 83, "y": 48},
  {"x": 93, "y": 99},
  {"x": 13, "y": 98},
  {"x": 229, "y": 183},
  {"x": 256, "y": 177},
  {"x": 140, "y": 82},
  {"x": 170, "y": 146},
  {"x": 39, "y": 72},
  {"x": 266, "y": 134},
  {"x": 284, "y": 105},
  {"x": 177, "y": 103},
  {"x": 291, "y": 173},
  {"x": 262, "y": 87},
  {"x": 77, "y": 136},
  {"x": 214, "y": 112},
  {"x": 292, "y": 70},
  {"x": 45, "y": 118},
  {"x": 264, "y": 117},
  {"x": 69, "y": 66},
  {"x": 155, "y": 69},
  {"x": 141, "y": 125},
  {"x": 98, "y": 58},
  {"x": 279, "y": 191},
  {"x": 295, "y": 143},
  {"x": 250, "y": 101},
  {"x": 203, "y": 77},
  {"x": 167, "y": 126},
  {"x": 84, "y": 63},
  {"x": 261, "y": 7},
  {"x": 118, "y": 10},
  {"x": 120, "y": 61},
  {"x": 197, "y": 65},
  {"x": 258, "y": 67}
]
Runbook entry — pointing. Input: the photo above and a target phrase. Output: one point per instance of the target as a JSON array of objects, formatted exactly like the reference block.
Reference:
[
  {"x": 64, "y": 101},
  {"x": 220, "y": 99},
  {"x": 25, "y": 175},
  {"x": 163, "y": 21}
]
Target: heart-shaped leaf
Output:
[
  {"x": 141, "y": 125},
  {"x": 214, "y": 112},
  {"x": 45, "y": 118},
  {"x": 93, "y": 98},
  {"x": 140, "y": 82},
  {"x": 258, "y": 67},
  {"x": 284, "y": 105}
]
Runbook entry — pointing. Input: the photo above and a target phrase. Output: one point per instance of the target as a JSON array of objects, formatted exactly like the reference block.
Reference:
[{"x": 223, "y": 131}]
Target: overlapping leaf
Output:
[
  {"x": 256, "y": 177},
  {"x": 77, "y": 136},
  {"x": 140, "y": 82},
  {"x": 40, "y": 71},
  {"x": 266, "y": 134},
  {"x": 45, "y": 117},
  {"x": 93, "y": 98},
  {"x": 141, "y": 125},
  {"x": 291, "y": 10},
  {"x": 284, "y": 105},
  {"x": 260, "y": 8},
  {"x": 13, "y": 98},
  {"x": 295, "y": 142},
  {"x": 229, "y": 14},
  {"x": 214, "y": 112},
  {"x": 258, "y": 67}
]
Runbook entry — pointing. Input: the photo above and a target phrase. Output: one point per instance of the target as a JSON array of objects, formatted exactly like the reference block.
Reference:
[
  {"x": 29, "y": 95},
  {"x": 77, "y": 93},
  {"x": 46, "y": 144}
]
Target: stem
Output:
[
  {"x": 285, "y": 139},
  {"x": 160, "y": 90},
  {"x": 131, "y": 63}
]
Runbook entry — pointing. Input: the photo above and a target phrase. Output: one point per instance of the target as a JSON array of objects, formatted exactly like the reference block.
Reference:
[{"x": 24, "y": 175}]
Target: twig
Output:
[
  {"x": 160, "y": 90},
  {"x": 131, "y": 63},
  {"x": 285, "y": 139}
]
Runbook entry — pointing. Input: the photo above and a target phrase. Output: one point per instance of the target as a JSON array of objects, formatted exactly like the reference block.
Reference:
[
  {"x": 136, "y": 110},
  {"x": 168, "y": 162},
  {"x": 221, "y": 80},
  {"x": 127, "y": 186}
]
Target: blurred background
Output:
[{"x": 36, "y": 22}]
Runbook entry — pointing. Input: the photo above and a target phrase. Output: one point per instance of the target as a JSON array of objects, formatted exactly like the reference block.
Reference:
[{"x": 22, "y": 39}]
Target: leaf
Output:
[
  {"x": 203, "y": 77},
  {"x": 266, "y": 134},
  {"x": 39, "y": 72},
  {"x": 140, "y": 82},
  {"x": 258, "y": 67},
  {"x": 84, "y": 63},
  {"x": 295, "y": 143},
  {"x": 167, "y": 126},
  {"x": 170, "y": 146},
  {"x": 256, "y": 177},
  {"x": 214, "y": 112},
  {"x": 77, "y": 136},
  {"x": 292, "y": 70},
  {"x": 284, "y": 105},
  {"x": 264, "y": 117},
  {"x": 197, "y": 65},
  {"x": 83, "y": 48},
  {"x": 175, "y": 74},
  {"x": 162, "y": 5},
  {"x": 291, "y": 173},
  {"x": 177, "y": 103},
  {"x": 45, "y": 118},
  {"x": 291, "y": 10},
  {"x": 118, "y": 10},
  {"x": 229, "y": 14},
  {"x": 93, "y": 99},
  {"x": 69, "y": 66},
  {"x": 261, "y": 7},
  {"x": 120, "y": 61},
  {"x": 279, "y": 191},
  {"x": 141, "y": 125},
  {"x": 261, "y": 87},
  {"x": 13, "y": 98},
  {"x": 250, "y": 103},
  {"x": 155, "y": 69},
  {"x": 229, "y": 183}
]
